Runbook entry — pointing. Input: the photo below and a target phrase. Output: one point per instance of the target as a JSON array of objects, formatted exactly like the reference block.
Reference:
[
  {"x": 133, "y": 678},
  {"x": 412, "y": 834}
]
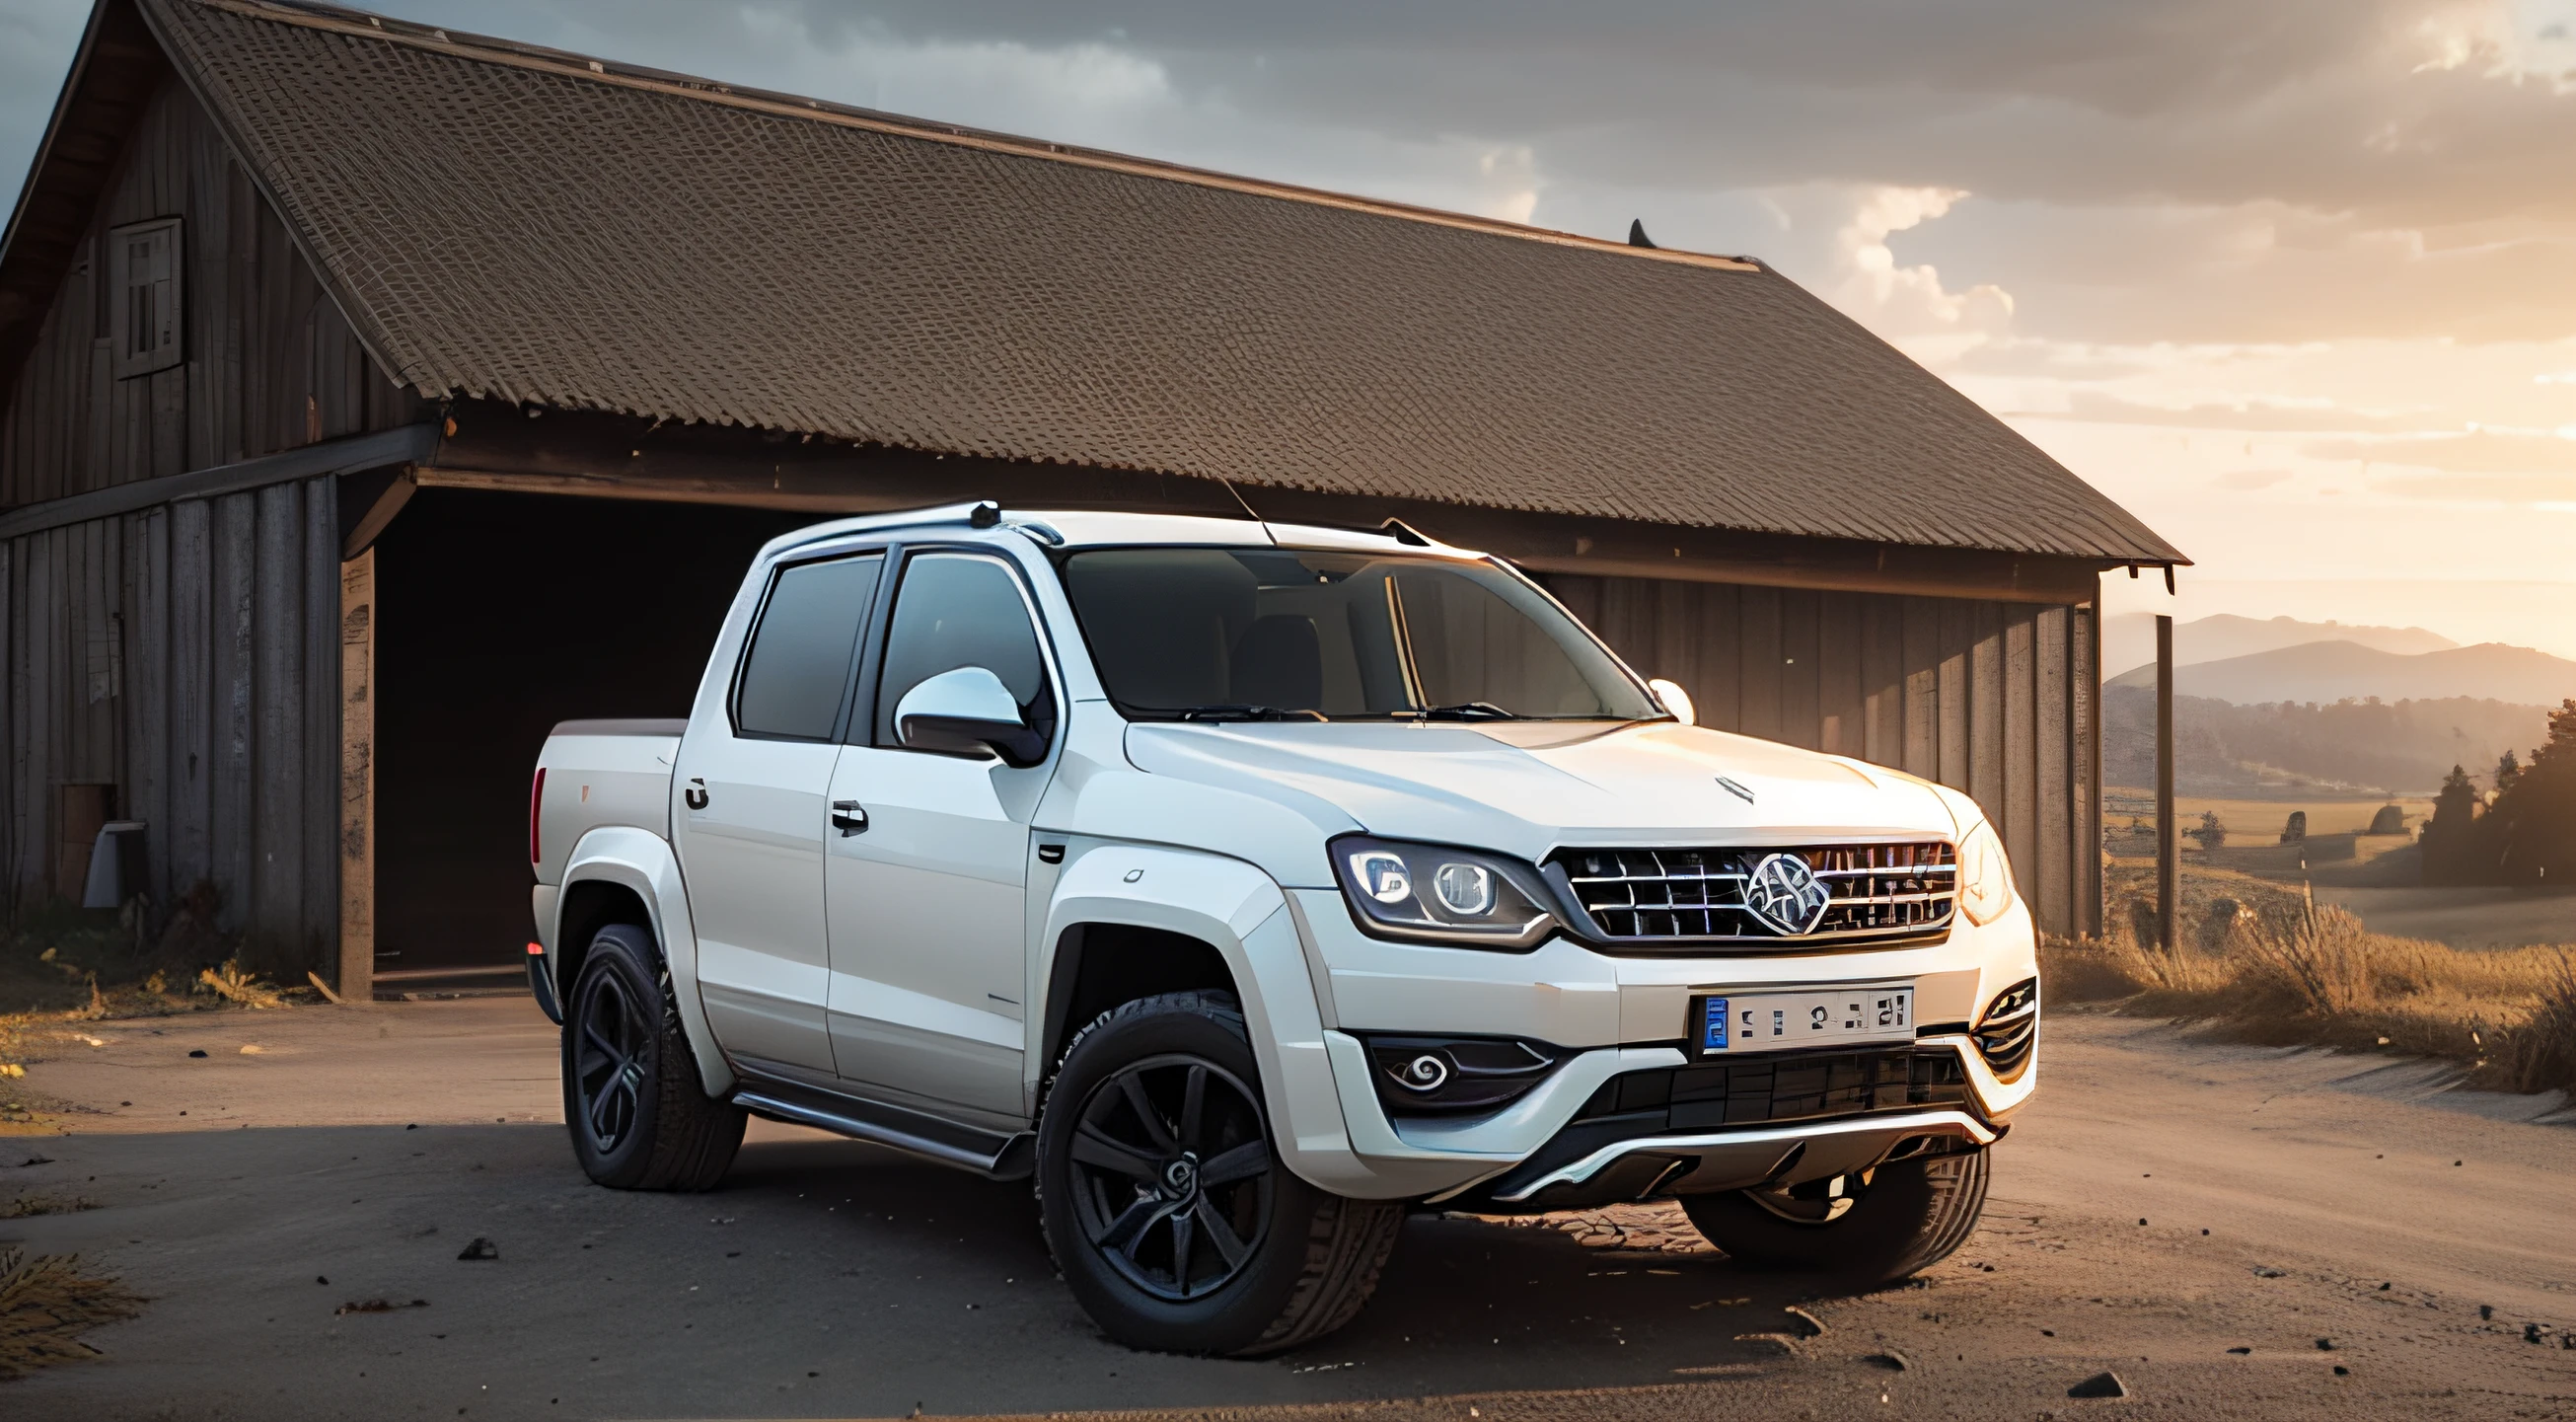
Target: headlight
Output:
[
  {"x": 1439, "y": 894},
  {"x": 1985, "y": 876}
]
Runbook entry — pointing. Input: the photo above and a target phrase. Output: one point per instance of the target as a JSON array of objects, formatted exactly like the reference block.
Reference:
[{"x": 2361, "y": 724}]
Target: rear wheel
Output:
[
  {"x": 1165, "y": 1204},
  {"x": 1869, "y": 1228},
  {"x": 640, "y": 1119}
]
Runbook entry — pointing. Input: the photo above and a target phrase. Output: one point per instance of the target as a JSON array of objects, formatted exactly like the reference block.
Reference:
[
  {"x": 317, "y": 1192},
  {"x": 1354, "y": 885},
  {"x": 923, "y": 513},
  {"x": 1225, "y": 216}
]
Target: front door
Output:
[
  {"x": 753, "y": 816},
  {"x": 927, "y": 903}
]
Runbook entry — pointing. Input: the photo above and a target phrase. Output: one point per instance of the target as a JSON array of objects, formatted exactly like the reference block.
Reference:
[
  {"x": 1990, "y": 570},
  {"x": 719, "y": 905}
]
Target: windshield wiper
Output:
[
  {"x": 1463, "y": 711},
  {"x": 1245, "y": 712}
]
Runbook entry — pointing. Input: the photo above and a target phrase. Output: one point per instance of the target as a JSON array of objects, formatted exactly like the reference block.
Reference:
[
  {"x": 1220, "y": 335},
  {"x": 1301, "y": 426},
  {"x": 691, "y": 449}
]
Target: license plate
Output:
[{"x": 1782, "y": 1018}]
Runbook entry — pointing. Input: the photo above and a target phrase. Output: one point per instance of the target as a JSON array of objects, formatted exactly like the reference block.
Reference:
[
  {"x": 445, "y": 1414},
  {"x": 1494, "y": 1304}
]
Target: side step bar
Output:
[{"x": 987, "y": 1153}]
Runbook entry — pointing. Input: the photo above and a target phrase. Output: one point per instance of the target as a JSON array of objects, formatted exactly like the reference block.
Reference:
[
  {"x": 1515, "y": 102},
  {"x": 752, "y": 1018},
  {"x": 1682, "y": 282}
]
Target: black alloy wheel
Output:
[
  {"x": 634, "y": 1103},
  {"x": 610, "y": 1057},
  {"x": 1171, "y": 1175},
  {"x": 1173, "y": 1217}
]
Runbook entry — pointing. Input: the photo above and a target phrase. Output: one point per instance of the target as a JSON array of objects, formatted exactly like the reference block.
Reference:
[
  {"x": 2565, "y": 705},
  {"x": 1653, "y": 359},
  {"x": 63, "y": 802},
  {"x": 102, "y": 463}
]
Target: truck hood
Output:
[{"x": 1527, "y": 787}]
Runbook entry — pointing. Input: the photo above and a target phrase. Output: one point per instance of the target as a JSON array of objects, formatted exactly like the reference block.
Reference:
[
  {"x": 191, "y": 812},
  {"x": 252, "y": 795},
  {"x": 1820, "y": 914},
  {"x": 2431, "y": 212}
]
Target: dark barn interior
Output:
[{"x": 498, "y": 616}]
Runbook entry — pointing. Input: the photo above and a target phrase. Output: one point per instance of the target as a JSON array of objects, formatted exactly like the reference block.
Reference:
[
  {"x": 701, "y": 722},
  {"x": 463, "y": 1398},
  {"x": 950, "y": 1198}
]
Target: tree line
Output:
[{"x": 2523, "y": 831}]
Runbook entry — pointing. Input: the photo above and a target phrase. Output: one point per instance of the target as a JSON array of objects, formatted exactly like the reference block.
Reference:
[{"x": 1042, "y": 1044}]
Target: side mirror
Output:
[
  {"x": 967, "y": 712},
  {"x": 1675, "y": 700}
]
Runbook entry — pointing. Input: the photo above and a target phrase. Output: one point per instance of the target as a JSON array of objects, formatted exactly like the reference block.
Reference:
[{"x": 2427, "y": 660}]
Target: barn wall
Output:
[
  {"x": 189, "y": 656},
  {"x": 1992, "y": 698},
  {"x": 268, "y": 361}
]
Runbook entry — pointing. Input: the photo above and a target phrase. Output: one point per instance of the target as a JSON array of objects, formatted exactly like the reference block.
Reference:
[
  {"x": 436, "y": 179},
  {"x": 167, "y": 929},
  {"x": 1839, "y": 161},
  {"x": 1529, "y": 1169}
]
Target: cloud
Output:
[
  {"x": 2477, "y": 452},
  {"x": 2249, "y": 480},
  {"x": 2103, "y": 407},
  {"x": 2537, "y": 491}
]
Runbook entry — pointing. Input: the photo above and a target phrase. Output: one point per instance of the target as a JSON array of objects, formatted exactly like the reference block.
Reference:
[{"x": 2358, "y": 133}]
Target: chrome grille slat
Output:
[{"x": 1665, "y": 896}]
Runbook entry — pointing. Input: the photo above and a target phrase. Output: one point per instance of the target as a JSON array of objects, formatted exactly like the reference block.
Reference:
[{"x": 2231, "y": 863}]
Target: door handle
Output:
[{"x": 849, "y": 818}]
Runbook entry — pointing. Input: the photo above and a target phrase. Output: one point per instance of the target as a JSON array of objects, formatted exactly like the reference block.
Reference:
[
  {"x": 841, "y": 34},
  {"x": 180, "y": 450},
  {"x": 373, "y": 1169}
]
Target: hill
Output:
[
  {"x": 2327, "y": 672},
  {"x": 2403, "y": 747},
  {"x": 2129, "y": 638}
]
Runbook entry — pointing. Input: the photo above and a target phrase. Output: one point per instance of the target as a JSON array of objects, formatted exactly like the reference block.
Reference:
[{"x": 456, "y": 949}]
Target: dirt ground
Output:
[{"x": 2368, "y": 1244}]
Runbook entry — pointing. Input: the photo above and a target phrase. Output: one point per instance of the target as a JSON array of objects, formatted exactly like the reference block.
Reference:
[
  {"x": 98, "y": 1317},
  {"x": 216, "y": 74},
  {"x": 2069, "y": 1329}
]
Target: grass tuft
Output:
[
  {"x": 46, "y": 1303},
  {"x": 2292, "y": 974}
]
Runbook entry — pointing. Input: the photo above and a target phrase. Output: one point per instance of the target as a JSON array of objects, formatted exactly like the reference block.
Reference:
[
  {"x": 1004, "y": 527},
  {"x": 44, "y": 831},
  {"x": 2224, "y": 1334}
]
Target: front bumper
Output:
[{"x": 1566, "y": 1144}]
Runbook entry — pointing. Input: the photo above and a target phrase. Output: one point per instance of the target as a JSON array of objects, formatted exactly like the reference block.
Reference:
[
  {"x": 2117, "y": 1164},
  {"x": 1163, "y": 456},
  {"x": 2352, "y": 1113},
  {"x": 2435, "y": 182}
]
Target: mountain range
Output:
[
  {"x": 2330, "y": 671},
  {"x": 2129, "y": 638}
]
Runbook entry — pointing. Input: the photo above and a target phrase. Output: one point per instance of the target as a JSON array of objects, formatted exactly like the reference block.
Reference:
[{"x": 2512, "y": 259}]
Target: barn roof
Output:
[{"x": 514, "y": 223}]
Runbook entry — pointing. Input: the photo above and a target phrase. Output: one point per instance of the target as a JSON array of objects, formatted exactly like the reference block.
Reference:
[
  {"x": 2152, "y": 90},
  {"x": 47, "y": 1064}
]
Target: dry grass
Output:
[
  {"x": 46, "y": 1303},
  {"x": 31, "y": 1204},
  {"x": 233, "y": 985},
  {"x": 2315, "y": 976}
]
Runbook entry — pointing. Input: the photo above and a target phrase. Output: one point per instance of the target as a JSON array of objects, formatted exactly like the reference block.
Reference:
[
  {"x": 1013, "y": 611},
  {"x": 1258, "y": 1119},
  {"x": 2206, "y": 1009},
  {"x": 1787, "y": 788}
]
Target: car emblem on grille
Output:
[{"x": 1786, "y": 895}]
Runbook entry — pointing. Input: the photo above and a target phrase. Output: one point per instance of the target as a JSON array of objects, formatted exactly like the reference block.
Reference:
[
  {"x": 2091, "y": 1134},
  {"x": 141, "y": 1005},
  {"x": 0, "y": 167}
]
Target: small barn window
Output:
[{"x": 143, "y": 273}]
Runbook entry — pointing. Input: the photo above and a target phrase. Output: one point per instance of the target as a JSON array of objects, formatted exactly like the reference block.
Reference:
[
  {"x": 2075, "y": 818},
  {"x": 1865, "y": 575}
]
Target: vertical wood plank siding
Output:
[
  {"x": 269, "y": 364},
  {"x": 188, "y": 654},
  {"x": 1991, "y": 698}
]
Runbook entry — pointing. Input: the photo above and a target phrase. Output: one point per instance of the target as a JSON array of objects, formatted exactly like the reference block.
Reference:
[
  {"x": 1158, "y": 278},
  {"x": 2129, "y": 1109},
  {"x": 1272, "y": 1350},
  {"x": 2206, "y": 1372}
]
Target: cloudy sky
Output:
[{"x": 2294, "y": 280}]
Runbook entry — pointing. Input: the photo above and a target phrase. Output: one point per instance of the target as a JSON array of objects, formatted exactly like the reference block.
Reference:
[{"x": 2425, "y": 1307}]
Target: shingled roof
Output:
[{"x": 520, "y": 224}]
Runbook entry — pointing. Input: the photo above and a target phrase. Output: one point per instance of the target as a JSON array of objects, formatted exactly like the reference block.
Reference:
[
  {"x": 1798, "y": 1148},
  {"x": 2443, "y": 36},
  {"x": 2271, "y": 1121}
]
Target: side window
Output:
[
  {"x": 797, "y": 668},
  {"x": 961, "y": 610}
]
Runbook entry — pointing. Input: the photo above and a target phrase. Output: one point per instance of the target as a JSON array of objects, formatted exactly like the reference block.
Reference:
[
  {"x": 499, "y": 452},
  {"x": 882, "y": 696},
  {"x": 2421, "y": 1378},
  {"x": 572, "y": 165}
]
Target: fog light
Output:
[{"x": 1433, "y": 1075}]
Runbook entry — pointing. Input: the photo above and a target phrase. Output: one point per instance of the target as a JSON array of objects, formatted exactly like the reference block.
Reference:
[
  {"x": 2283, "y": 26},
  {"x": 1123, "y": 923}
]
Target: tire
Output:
[
  {"x": 639, "y": 1118},
  {"x": 1138, "y": 1189},
  {"x": 1902, "y": 1218}
]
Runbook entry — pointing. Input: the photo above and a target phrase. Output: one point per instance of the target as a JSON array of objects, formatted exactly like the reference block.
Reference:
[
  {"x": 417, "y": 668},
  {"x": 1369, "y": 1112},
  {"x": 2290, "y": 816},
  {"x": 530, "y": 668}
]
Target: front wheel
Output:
[
  {"x": 1871, "y": 1228},
  {"x": 1166, "y": 1206},
  {"x": 639, "y": 1117}
]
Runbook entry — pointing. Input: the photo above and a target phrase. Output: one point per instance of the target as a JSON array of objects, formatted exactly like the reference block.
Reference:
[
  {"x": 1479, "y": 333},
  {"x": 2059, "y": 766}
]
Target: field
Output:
[{"x": 2259, "y": 821}]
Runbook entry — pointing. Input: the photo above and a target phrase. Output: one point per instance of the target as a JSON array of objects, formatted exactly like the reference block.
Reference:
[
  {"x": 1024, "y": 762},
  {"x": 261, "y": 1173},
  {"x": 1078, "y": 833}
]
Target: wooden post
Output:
[
  {"x": 358, "y": 777},
  {"x": 2168, "y": 841}
]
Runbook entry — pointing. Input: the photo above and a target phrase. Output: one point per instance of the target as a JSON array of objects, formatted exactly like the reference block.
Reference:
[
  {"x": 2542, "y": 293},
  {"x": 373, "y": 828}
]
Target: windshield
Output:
[{"x": 1274, "y": 633}]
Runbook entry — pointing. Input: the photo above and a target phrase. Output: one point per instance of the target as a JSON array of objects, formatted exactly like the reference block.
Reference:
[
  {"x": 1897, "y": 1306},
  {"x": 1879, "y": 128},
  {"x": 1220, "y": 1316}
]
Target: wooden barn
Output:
[{"x": 362, "y": 380}]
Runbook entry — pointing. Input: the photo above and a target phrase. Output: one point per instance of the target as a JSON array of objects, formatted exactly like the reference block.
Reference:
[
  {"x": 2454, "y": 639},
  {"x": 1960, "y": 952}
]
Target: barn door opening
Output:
[{"x": 496, "y": 615}]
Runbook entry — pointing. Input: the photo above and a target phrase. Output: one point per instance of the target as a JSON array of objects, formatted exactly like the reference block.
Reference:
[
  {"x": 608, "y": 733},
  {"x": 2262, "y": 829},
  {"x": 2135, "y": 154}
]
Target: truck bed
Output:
[{"x": 594, "y": 773}]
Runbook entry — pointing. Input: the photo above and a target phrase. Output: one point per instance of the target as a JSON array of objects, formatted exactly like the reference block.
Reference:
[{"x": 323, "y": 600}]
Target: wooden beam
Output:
[
  {"x": 2168, "y": 839},
  {"x": 502, "y": 447},
  {"x": 358, "y": 777},
  {"x": 334, "y": 456},
  {"x": 369, "y": 499}
]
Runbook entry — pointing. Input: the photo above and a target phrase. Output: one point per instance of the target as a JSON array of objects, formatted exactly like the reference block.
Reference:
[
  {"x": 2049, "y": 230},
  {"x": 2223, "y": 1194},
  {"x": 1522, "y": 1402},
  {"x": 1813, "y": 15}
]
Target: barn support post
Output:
[
  {"x": 357, "y": 777},
  {"x": 2168, "y": 840}
]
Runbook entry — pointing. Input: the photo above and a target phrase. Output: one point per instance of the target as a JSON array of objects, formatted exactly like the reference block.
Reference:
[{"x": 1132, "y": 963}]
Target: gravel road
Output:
[{"x": 2368, "y": 1245}]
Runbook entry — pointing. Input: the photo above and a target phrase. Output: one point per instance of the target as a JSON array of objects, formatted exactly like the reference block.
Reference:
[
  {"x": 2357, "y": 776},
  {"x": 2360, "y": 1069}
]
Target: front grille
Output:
[
  {"x": 1784, "y": 1087},
  {"x": 1878, "y": 891}
]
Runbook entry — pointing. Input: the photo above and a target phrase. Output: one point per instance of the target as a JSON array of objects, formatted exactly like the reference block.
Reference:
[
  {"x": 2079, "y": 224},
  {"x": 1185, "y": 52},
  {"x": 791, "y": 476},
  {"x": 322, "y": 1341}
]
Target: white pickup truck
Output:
[{"x": 1249, "y": 884}]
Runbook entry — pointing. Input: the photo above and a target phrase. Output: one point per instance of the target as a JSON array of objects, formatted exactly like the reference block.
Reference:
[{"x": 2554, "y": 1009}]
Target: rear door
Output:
[
  {"x": 928, "y": 903},
  {"x": 753, "y": 815}
]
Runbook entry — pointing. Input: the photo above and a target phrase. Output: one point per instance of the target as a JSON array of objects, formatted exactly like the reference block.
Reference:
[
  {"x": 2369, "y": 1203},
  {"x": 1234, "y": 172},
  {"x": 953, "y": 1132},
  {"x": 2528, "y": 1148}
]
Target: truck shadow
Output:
[
  {"x": 824, "y": 1277},
  {"x": 1464, "y": 1306}
]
